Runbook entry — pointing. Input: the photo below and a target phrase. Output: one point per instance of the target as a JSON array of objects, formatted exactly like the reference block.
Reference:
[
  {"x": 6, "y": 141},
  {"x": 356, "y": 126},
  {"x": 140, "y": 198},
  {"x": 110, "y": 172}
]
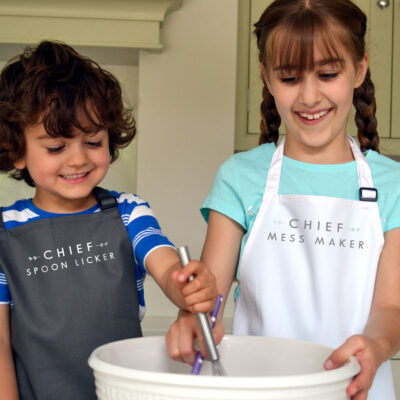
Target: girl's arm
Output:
[
  {"x": 8, "y": 381},
  {"x": 221, "y": 253},
  {"x": 199, "y": 295},
  {"x": 381, "y": 336}
]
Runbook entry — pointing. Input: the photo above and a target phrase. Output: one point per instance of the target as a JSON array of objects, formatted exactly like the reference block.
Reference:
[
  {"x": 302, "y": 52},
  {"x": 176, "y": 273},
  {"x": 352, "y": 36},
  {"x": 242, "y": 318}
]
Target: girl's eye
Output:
[
  {"x": 291, "y": 80},
  {"x": 53, "y": 150},
  {"x": 328, "y": 76},
  {"x": 95, "y": 144}
]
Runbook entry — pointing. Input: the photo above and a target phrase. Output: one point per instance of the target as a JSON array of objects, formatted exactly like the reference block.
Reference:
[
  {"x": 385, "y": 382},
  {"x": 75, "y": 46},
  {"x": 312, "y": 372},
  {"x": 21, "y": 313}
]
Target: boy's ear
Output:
[
  {"x": 20, "y": 164},
  {"x": 362, "y": 68},
  {"x": 265, "y": 77}
]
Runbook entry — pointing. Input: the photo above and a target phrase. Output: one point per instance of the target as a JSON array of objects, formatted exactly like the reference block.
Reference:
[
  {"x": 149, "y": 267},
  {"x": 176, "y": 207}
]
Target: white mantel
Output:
[{"x": 102, "y": 23}]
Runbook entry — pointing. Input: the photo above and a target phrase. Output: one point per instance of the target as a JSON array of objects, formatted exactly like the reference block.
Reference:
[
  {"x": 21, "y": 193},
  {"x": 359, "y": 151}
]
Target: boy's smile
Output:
[
  {"x": 75, "y": 178},
  {"x": 65, "y": 170}
]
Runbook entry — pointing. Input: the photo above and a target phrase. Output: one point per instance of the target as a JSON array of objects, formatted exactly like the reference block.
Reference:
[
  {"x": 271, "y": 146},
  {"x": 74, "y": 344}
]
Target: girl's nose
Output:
[{"x": 310, "y": 94}]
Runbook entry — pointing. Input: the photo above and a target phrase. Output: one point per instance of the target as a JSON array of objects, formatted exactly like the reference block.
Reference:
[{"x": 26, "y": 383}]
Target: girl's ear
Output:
[
  {"x": 362, "y": 68},
  {"x": 20, "y": 164},
  {"x": 265, "y": 77}
]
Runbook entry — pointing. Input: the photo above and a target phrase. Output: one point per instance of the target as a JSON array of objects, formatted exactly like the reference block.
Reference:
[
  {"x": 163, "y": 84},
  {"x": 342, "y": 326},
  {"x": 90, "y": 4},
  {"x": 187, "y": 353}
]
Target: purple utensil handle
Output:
[
  {"x": 215, "y": 311},
  {"x": 198, "y": 361}
]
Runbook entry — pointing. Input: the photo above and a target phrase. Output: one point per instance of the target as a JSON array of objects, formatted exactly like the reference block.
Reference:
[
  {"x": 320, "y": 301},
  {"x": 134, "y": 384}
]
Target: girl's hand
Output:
[
  {"x": 200, "y": 293},
  {"x": 367, "y": 352},
  {"x": 182, "y": 335}
]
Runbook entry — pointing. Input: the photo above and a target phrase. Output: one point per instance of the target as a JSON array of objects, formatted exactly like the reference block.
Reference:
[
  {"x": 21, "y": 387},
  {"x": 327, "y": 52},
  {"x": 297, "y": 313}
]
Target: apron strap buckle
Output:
[
  {"x": 368, "y": 194},
  {"x": 104, "y": 199}
]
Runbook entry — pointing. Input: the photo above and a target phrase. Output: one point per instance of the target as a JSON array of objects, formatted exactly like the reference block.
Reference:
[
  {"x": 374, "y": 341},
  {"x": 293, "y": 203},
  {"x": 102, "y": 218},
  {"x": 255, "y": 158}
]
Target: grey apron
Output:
[{"x": 72, "y": 281}]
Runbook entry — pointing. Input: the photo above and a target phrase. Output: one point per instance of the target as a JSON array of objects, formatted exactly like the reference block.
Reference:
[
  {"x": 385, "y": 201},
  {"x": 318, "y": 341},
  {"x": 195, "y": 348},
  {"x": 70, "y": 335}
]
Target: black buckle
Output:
[
  {"x": 368, "y": 194},
  {"x": 105, "y": 200}
]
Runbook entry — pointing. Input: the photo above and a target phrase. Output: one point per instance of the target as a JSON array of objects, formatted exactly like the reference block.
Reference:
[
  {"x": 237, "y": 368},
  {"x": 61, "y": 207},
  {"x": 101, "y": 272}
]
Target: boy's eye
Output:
[
  {"x": 53, "y": 150},
  {"x": 95, "y": 144}
]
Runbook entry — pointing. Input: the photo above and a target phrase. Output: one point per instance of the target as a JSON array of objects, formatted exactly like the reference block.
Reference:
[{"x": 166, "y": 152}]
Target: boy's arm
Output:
[
  {"x": 221, "y": 252},
  {"x": 8, "y": 381},
  {"x": 199, "y": 295}
]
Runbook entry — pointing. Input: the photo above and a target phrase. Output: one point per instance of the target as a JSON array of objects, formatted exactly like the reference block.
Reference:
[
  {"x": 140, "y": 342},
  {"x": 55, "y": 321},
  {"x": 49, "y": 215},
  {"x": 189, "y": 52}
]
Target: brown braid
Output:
[
  {"x": 270, "y": 118},
  {"x": 364, "y": 102}
]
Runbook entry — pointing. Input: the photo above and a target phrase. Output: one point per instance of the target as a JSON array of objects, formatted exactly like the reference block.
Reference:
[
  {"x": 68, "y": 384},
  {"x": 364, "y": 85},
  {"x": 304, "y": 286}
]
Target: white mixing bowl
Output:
[{"x": 256, "y": 367}]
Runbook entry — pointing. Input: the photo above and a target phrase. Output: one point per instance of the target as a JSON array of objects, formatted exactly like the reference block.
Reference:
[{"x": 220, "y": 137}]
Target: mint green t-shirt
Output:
[{"x": 239, "y": 185}]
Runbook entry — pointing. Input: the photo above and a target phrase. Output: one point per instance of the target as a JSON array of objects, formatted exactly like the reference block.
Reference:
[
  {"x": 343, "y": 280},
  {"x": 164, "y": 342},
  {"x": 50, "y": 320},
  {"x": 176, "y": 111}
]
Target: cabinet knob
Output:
[{"x": 382, "y": 4}]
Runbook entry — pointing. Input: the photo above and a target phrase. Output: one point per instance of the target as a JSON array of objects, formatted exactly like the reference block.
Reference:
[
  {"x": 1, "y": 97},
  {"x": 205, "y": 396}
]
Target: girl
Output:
[
  {"x": 73, "y": 258},
  {"x": 313, "y": 222}
]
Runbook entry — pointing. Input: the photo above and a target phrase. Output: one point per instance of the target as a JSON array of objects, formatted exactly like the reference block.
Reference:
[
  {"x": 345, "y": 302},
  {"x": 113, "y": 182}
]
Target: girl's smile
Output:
[{"x": 313, "y": 117}]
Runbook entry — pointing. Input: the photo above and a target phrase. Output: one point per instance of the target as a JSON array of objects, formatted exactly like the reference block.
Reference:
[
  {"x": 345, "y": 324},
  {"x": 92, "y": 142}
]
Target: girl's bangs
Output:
[{"x": 291, "y": 47}]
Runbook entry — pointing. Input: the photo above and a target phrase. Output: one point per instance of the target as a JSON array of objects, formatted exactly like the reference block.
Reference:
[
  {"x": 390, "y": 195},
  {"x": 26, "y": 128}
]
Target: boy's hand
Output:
[
  {"x": 367, "y": 352},
  {"x": 200, "y": 294}
]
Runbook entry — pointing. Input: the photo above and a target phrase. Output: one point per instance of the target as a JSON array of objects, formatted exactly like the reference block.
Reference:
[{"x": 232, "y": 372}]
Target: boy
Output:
[{"x": 73, "y": 258}]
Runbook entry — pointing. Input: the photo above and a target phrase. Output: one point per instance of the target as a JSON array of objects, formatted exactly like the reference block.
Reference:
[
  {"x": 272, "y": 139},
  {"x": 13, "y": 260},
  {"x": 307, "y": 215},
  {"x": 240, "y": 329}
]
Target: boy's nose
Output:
[
  {"x": 310, "y": 94},
  {"x": 77, "y": 156}
]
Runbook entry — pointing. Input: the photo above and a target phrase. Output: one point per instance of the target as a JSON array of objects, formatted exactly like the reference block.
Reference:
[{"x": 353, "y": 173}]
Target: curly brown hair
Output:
[
  {"x": 286, "y": 33},
  {"x": 53, "y": 84}
]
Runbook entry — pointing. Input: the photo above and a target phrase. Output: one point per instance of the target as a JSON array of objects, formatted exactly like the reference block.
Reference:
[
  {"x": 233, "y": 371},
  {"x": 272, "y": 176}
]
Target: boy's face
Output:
[{"x": 65, "y": 170}]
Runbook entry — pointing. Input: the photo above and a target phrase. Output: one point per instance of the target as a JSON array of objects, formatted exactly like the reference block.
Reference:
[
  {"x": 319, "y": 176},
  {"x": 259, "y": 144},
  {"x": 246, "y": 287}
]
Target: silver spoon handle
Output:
[{"x": 202, "y": 318}]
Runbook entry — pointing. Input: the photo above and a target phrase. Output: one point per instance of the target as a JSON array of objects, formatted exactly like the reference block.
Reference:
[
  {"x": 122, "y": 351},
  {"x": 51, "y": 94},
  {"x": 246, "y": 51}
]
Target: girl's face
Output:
[
  {"x": 315, "y": 105},
  {"x": 65, "y": 170}
]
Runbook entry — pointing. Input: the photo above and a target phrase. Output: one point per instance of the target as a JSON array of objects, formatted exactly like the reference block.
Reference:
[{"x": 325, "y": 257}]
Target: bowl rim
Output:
[{"x": 348, "y": 370}]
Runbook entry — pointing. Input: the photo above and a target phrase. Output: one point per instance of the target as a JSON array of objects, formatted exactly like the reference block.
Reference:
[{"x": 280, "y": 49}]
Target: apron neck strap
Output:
[
  {"x": 104, "y": 199},
  {"x": 274, "y": 173},
  {"x": 366, "y": 186},
  {"x": 363, "y": 169},
  {"x": 367, "y": 191},
  {"x": 1, "y": 219}
]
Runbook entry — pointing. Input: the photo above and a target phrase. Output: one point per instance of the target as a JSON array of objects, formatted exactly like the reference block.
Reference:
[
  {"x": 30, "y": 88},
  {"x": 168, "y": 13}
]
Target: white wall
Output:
[
  {"x": 185, "y": 107},
  {"x": 186, "y": 121},
  {"x": 122, "y": 173}
]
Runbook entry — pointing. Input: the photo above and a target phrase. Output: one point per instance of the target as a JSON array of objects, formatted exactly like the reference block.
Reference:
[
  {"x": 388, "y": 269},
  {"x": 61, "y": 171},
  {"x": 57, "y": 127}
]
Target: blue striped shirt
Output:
[{"x": 143, "y": 229}]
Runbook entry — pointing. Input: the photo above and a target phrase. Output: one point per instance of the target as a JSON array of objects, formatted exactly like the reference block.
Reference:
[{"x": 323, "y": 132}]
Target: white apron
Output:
[{"x": 308, "y": 268}]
